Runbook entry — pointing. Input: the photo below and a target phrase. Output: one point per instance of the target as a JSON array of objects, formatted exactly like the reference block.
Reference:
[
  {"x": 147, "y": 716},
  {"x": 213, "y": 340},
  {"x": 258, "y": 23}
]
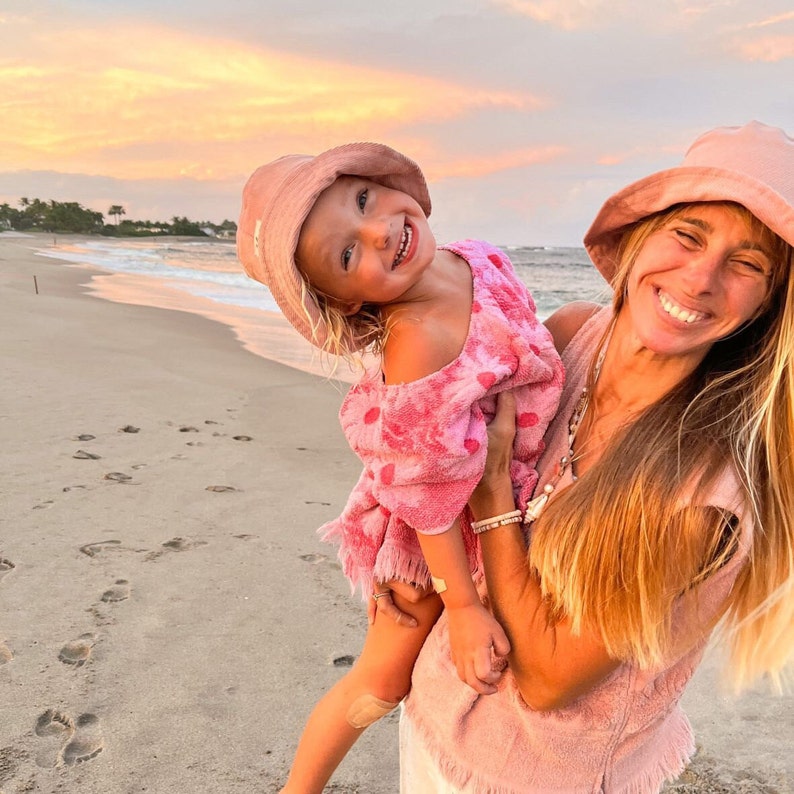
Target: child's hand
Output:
[{"x": 474, "y": 635}]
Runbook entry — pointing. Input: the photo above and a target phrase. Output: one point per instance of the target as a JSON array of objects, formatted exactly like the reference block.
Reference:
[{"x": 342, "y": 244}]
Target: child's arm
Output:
[
  {"x": 473, "y": 630},
  {"x": 420, "y": 342}
]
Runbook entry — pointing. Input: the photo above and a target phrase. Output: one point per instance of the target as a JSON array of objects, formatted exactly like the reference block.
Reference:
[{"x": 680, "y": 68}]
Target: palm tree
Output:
[{"x": 117, "y": 210}]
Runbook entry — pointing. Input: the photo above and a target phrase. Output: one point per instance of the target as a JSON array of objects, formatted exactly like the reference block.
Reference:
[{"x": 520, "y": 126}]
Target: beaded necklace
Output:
[{"x": 535, "y": 506}]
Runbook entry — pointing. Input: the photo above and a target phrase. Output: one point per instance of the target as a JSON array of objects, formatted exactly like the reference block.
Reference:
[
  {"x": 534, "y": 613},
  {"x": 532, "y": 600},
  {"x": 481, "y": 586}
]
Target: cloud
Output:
[
  {"x": 776, "y": 20},
  {"x": 492, "y": 163},
  {"x": 138, "y": 101},
  {"x": 565, "y": 14},
  {"x": 743, "y": 41},
  {"x": 769, "y": 49}
]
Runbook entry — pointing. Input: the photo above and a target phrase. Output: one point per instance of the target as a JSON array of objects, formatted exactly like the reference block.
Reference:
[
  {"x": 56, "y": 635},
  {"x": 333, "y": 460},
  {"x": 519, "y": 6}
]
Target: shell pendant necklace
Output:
[{"x": 535, "y": 506}]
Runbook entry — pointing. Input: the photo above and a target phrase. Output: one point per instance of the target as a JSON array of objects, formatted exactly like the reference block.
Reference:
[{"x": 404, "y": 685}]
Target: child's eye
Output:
[
  {"x": 346, "y": 257},
  {"x": 361, "y": 199}
]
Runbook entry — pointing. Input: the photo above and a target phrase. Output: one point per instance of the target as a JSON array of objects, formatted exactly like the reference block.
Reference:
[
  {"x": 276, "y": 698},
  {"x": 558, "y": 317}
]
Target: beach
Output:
[{"x": 169, "y": 616}]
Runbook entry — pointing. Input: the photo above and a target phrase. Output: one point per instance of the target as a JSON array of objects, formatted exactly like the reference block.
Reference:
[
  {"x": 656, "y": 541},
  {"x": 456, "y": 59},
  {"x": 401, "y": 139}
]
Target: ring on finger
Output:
[{"x": 376, "y": 596}]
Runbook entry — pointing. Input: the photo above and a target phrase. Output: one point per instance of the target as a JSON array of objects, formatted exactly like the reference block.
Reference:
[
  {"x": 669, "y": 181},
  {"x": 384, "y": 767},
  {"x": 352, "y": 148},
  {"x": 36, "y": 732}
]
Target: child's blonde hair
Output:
[{"x": 365, "y": 327}]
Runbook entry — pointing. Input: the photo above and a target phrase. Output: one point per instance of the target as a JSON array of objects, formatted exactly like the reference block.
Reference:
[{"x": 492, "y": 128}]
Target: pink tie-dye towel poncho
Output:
[{"x": 423, "y": 444}]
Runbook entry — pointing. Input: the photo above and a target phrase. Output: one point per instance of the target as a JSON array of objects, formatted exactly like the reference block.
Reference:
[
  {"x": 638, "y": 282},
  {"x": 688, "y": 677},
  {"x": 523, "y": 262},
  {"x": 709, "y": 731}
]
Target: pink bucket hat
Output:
[
  {"x": 751, "y": 165},
  {"x": 278, "y": 197}
]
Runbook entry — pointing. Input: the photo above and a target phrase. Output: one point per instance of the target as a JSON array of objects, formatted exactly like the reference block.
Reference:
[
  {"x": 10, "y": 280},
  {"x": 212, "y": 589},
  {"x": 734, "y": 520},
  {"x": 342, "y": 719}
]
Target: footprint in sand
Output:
[
  {"x": 92, "y": 549},
  {"x": 118, "y": 476},
  {"x": 220, "y": 488},
  {"x": 87, "y": 742},
  {"x": 175, "y": 544},
  {"x": 6, "y": 654},
  {"x": 81, "y": 454},
  {"x": 77, "y": 652},
  {"x": 69, "y": 742},
  {"x": 56, "y": 728},
  {"x": 313, "y": 559},
  {"x": 6, "y": 566},
  {"x": 129, "y": 429},
  {"x": 120, "y": 591},
  {"x": 83, "y": 437},
  {"x": 182, "y": 544}
]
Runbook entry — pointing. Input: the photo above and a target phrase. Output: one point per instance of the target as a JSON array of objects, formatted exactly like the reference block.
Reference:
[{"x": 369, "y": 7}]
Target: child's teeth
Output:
[{"x": 404, "y": 245}]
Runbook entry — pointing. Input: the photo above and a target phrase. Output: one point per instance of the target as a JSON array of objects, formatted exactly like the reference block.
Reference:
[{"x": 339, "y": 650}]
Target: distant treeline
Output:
[{"x": 69, "y": 216}]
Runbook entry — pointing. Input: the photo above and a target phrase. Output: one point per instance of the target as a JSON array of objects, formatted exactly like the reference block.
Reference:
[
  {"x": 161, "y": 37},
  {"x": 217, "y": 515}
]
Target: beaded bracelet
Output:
[{"x": 513, "y": 517}]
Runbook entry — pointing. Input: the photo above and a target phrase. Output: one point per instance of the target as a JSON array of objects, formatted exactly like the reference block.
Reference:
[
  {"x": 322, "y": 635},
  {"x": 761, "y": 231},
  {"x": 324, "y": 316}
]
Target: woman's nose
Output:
[{"x": 701, "y": 275}]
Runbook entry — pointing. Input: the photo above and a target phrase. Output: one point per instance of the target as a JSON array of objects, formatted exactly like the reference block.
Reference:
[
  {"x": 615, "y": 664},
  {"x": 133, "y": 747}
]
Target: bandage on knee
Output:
[{"x": 366, "y": 709}]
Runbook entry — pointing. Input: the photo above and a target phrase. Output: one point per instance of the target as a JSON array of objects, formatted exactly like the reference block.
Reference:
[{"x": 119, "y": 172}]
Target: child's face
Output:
[{"x": 365, "y": 243}]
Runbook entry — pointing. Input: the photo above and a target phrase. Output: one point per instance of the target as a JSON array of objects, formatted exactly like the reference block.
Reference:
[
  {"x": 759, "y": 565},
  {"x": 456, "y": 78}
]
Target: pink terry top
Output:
[
  {"x": 423, "y": 443},
  {"x": 627, "y": 735}
]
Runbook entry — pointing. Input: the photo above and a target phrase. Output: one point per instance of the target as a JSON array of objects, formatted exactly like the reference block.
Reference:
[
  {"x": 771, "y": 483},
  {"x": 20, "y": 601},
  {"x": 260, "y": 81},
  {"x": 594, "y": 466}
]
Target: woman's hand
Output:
[
  {"x": 495, "y": 481},
  {"x": 382, "y": 603}
]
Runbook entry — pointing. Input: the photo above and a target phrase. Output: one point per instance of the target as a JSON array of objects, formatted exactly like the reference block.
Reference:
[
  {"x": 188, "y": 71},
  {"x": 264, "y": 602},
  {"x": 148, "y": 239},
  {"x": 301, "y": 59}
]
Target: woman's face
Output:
[{"x": 698, "y": 278}]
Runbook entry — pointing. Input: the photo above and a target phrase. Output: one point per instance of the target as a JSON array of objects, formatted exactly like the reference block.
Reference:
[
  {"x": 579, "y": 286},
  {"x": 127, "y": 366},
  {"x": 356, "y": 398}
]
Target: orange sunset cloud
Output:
[
  {"x": 142, "y": 102},
  {"x": 491, "y": 164},
  {"x": 769, "y": 49}
]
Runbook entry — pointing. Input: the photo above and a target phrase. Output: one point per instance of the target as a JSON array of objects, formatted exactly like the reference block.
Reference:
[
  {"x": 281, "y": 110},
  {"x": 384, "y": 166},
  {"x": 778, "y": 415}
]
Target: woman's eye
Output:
[
  {"x": 362, "y": 199},
  {"x": 347, "y": 254},
  {"x": 686, "y": 237},
  {"x": 751, "y": 266}
]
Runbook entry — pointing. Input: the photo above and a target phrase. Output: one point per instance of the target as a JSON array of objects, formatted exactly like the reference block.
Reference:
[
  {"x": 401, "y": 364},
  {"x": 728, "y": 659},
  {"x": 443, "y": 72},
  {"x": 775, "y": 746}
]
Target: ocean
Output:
[{"x": 203, "y": 276}]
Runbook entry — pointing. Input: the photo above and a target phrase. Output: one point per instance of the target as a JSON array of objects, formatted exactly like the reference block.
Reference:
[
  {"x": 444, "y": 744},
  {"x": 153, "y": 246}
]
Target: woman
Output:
[{"x": 664, "y": 503}]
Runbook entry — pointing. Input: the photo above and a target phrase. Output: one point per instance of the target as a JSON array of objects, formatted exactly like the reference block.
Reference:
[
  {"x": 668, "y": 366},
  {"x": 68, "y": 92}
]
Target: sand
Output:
[{"x": 168, "y": 614}]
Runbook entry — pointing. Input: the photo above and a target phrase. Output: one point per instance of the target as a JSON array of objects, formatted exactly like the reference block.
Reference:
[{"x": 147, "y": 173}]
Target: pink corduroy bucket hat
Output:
[
  {"x": 751, "y": 165},
  {"x": 278, "y": 197}
]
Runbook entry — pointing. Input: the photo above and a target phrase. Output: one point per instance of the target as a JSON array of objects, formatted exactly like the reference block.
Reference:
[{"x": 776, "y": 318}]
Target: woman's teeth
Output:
[
  {"x": 674, "y": 310},
  {"x": 405, "y": 244}
]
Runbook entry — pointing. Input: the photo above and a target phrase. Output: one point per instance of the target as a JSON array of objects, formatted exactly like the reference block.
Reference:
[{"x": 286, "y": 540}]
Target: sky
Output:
[{"x": 525, "y": 115}]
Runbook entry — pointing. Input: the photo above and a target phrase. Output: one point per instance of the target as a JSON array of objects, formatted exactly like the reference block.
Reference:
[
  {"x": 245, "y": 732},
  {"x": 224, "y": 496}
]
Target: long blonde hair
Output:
[{"x": 616, "y": 551}]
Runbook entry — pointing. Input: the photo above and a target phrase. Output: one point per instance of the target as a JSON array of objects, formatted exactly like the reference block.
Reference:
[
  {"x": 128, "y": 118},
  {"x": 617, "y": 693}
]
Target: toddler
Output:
[{"x": 343, "y": 242}]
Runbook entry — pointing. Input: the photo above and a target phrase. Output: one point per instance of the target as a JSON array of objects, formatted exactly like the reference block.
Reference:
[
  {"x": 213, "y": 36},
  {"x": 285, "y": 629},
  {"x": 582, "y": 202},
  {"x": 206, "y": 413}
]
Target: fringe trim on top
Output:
[
  {"x": 394, "y": 563},
  {"x": 647, "y": 781},
  {"x": 665, "y": 769}
]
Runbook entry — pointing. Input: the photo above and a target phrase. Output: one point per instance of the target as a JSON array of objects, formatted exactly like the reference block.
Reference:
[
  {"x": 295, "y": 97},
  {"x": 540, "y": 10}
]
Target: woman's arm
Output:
[{"x": 552, "y": 666}]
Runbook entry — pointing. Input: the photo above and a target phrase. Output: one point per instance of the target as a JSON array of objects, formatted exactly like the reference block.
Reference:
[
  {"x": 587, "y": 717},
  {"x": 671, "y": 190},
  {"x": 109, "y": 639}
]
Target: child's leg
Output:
[{"x": 382, "y": 674}]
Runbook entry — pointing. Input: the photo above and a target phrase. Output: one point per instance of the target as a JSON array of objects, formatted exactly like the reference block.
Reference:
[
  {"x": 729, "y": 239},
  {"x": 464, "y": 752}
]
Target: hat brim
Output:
[
  {"x": 681, "y": 185},
  {"x": 280, "y": 221}
]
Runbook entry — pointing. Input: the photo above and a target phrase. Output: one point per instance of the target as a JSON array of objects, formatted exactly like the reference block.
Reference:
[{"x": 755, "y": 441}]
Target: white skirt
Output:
[{"x": 418, "y": 773}]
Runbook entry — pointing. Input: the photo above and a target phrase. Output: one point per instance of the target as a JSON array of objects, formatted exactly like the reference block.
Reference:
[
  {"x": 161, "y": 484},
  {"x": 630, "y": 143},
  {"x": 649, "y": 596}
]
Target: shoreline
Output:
[
  {"x": 183, "y": 634},
  {"x": 263, "y": 333}
]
